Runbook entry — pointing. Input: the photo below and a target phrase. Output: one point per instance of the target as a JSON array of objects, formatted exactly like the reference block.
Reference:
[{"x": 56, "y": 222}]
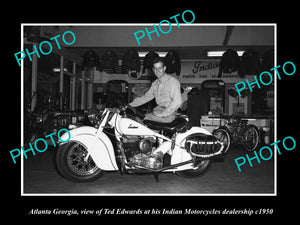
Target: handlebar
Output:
[
  {"x": 125, "y": 110},
  {"x": 221, "y": 116},
  {"x": 136, "y": 112}
]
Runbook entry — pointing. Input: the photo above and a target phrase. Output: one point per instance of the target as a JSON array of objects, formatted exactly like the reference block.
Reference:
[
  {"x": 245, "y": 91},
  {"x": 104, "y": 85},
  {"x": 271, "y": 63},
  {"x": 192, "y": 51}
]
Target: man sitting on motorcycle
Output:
[{"x": 166, "y": 91}]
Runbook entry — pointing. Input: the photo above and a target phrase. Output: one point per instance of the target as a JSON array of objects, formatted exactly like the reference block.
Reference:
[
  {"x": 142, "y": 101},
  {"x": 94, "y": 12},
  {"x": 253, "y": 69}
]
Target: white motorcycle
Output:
[{"x": 122, "y": 142}]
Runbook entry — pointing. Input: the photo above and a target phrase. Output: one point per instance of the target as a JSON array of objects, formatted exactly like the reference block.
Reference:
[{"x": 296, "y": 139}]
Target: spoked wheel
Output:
[
  {"x": 251, "y": 138},
  {"x": 223, "y": 136},
  {"x": 71, "y": 163}
]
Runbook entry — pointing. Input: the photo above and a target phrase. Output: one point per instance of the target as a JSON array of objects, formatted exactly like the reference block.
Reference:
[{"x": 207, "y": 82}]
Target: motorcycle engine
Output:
[{"x": 138, "y": 151}]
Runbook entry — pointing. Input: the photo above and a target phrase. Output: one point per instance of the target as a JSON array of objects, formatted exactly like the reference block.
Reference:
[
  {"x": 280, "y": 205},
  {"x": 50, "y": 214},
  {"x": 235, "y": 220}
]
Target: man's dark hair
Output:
[{"x": 157, "y": 60}]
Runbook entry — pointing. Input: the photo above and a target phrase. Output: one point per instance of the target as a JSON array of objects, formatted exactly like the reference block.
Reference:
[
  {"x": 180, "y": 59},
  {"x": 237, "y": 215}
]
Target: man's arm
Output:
[{"x": 148, "y": 96}]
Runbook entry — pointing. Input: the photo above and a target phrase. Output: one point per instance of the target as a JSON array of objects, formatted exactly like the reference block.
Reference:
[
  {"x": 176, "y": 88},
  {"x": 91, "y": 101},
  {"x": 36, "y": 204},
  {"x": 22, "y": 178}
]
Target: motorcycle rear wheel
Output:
[
  {"x": 70, "y": 163},
  {"x": 197, "y": 171}
]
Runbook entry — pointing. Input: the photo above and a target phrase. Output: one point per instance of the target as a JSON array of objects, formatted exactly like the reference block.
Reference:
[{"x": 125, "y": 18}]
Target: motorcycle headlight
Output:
[{"x": 72, "y": 126}]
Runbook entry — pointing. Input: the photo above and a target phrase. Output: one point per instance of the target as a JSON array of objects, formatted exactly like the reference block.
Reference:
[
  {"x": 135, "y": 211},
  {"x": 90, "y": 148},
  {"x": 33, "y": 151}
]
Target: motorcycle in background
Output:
[
  {"x": 237, "y": 131},
  {"x": 122, "y": 142},
  {"x": 34, "y": 122}
]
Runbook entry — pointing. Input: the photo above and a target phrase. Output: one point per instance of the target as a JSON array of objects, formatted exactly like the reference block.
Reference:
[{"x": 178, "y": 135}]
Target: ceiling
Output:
[
  {"x": 185, "y": 53},
  {"x": 190, "y": 42}
]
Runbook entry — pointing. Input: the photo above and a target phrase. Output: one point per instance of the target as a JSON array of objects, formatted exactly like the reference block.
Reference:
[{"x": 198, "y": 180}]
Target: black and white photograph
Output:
[
  {"x": 185, "y": 112},
  {"x": 182, "y": 112}
]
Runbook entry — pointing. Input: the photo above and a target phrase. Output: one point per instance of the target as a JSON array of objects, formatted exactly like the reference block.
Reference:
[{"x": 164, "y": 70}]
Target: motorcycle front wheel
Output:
[
  {"x": 71, "y": 164},
  {"x": 223, "y": 136}
]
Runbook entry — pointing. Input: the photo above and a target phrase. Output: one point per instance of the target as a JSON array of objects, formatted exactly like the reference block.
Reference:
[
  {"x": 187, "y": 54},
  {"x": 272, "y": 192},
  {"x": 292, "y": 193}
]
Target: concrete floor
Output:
[{"x": 222, "y": 177}]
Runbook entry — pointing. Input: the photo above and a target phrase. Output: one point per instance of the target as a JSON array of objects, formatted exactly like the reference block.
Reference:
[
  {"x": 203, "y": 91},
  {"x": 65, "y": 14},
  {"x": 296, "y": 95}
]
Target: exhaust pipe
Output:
[{"x": 164, "y": 168}]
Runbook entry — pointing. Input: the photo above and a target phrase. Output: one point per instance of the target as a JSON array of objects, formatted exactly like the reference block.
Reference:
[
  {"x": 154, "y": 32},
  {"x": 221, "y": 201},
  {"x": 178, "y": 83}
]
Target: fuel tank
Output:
[{"x": 128, "y": 126}]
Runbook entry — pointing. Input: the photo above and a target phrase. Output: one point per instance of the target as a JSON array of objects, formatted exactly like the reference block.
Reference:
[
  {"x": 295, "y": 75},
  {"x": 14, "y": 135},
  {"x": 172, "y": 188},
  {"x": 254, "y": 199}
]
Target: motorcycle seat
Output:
[{"x": 177, "y": 125}]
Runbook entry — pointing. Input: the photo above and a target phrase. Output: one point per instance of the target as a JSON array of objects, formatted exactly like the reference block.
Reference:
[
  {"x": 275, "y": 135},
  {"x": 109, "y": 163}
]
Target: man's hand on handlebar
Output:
[{"x": 125, "y": 107}]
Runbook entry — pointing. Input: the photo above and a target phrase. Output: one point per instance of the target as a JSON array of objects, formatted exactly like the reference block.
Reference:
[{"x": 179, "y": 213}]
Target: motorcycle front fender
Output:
[{"x": 98, "y": 146}]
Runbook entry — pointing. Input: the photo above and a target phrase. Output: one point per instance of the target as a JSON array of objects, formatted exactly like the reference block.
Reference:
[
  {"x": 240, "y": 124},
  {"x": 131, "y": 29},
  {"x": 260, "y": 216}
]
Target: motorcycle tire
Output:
[
  {"x": 223, "y": 136},
  {"x": 70, "y": 163},
  {"x": 250, "y": 147},
  {"x": 198, "y": 171}
]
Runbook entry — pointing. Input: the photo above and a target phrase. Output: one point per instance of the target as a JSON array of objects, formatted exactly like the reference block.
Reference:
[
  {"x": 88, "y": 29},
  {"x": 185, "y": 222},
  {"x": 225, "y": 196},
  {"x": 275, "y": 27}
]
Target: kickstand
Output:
[{"x": 156, "y": 177}]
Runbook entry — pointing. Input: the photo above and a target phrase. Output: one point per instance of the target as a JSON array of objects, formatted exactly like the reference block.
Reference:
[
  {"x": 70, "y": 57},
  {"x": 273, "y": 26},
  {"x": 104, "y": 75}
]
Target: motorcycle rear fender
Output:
[
  {"x": 182, "y": 136},
  {"x": 179, "y": 153},
  {"x": 98, "y": 145}
]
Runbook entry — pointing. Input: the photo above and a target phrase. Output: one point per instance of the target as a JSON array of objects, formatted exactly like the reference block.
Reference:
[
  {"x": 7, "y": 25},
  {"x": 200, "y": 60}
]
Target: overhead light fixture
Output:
[
  {"x": 220, "y": 53},
  {"x": 161, "y": 54},
  {"x": 58, "y": 70}
]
